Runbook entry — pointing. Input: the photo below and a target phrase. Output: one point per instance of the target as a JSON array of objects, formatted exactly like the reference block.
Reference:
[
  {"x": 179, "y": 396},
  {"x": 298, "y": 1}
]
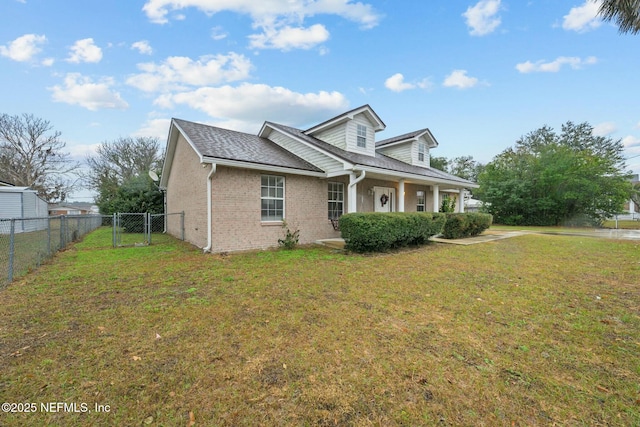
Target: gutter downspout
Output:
[
  {"x": 353, "y": 192},
  {"x": 209, "y": 207}
]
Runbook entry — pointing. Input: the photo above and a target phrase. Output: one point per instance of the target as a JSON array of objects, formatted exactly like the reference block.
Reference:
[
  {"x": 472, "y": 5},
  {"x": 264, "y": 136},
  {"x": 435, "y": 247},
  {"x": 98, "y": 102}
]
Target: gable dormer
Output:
[
  {"x": 412, "y": 148},
  {"x": 353, "y": 131}
]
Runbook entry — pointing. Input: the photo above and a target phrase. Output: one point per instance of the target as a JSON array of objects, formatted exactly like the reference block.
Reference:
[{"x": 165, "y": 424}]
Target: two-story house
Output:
[{"x": 236, "y": 189}]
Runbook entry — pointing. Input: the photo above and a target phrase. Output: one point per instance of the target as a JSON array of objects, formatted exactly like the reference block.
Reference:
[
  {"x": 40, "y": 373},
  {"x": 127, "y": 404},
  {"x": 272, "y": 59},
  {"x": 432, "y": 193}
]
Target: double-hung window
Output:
[
  {"x": 361, "y": 136},
  {"x": 421, "y": 151},
  {"x": 272, "y": 198},
  {"x": 336, "y": 200},
  {"x": 421, "y": 201}
]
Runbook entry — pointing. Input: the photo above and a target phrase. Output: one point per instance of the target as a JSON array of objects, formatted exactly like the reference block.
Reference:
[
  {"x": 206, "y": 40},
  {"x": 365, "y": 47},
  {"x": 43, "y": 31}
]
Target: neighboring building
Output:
[
  {"x": 22, "y": 203},
  {"x": 237, "y": 189},
  {"x": 472, "y": 205},
  {"x": 5, "y": 184},
  {"x": 631, "y": 209},
  {"x": 73, "y": 209}
]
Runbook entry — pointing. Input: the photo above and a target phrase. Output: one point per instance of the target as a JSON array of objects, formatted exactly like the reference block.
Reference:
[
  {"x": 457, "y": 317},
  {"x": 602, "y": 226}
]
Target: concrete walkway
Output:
[{"x": 493, "y": 235}]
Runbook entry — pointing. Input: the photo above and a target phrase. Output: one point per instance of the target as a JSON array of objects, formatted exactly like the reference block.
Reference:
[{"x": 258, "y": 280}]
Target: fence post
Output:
[
  {"x": 49, "y": 236},
  {"x": 11, "y": 248},
  {"x": 148, "y": 219},
  {"x": 113, "y": 226},
  {"x": 182, "y": 225},
  {"x": 63, "y": 233}
]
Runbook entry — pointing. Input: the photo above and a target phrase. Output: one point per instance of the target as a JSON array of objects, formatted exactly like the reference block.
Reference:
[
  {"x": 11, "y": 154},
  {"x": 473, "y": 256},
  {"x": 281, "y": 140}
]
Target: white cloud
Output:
[
  {"x": 555, "y": 65},
  {"x": 23, "y": 48},
  {"x": 604, "y": 129},
  {"x": 218, "y": 33},
  {"x": 460, "y": 80},
  {"x": 583, "y": 18},
  {"x": 82, "y": 91},
  {"x": 85, "y": 51},
  {"x": 177, "y": 71},
  {"x": 482, "y": 18},
  {"x": 154, "y": 128},
  {"x": 268, "y": 10},
  {"x": 630, "y": 141},
  {"x": 143, "y": 47},
  {"x": 48, "y": 62},
  {"x": 80, "y": 151},
  {"x": 280, "y": 20},
  {"x": 287, "y": 38},
  {"x": 247, "y": 106},
  {"x": 396, "y": 83}
]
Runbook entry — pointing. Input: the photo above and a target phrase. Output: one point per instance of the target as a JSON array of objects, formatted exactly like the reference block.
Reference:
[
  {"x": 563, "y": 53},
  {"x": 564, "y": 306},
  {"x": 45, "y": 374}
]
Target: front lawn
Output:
[{"x": 531, "y": 330}]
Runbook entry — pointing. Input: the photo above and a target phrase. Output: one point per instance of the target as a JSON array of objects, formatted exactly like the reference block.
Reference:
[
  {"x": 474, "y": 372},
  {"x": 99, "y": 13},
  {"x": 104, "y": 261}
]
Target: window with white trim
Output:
[
  {"x": 421, "y": 151},
  {"x": 335, "y": 200},
  {"x": 272, "y": 198},
  {"x": 362, "y": 136},
  {"x": 421, "y": 201}
]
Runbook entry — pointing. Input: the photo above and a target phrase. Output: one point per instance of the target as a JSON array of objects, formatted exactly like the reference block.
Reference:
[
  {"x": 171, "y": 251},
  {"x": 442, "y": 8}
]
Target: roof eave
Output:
[{"x": 261, "y": 166}]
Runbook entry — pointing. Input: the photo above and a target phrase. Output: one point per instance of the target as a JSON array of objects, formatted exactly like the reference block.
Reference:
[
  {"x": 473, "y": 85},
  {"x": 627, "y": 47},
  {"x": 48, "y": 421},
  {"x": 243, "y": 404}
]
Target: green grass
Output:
[{"x": 532, "y": 330}]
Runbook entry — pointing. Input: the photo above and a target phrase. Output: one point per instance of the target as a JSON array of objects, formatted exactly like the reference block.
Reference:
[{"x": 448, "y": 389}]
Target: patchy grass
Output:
[{"x": 532, "y": 330}]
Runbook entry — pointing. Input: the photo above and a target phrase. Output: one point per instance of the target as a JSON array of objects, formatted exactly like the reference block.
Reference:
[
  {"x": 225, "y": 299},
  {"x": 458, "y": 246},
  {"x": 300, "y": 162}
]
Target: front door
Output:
[{"x": 384, "y": 199}]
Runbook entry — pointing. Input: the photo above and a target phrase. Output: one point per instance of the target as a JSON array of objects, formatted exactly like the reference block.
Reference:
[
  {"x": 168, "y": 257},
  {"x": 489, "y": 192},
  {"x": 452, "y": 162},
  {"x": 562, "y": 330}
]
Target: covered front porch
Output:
[{"x": 371, "y": 191}]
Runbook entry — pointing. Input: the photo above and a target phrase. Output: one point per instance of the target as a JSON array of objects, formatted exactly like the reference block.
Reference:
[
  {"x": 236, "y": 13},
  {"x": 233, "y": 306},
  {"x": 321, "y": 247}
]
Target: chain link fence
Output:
[{"x": 25, "y": 243}]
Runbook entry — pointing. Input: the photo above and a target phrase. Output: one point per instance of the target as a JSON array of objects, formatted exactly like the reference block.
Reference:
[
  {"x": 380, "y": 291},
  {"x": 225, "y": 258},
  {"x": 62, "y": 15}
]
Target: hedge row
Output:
[
  {"x": 376, "y": 232},
  {"x": 461, "y": 225}
]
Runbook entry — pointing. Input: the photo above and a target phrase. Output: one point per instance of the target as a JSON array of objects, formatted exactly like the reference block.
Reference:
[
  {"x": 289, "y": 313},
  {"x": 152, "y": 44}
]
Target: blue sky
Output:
[{"x": 478, "y": 74}]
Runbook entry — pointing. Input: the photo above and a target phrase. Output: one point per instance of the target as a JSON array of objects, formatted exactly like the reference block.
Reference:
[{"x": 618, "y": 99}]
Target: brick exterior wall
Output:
[
  {"x": 237, "y": 223},
  {"x": 187, "y": 191},
  {"x": 236, "y": 204}
]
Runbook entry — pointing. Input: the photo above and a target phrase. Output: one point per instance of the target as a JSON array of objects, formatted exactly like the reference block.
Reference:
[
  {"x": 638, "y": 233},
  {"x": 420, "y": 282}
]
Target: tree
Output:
[
  {"x": 31, "y": 155},
  {"x": 137, "y": 195},
  {"x": 440, "y": 163},
  {"x": 553, "y": 179},
  {"x": 625, "y": 13},
  {"x": 119, "y": 163},
  {"x": 465, "y": 167}
]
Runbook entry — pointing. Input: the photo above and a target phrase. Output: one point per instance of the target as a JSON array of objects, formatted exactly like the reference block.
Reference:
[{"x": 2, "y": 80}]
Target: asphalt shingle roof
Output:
[
  {"x": 379, "y": 161},
  {"x": 220, "y": 143},
  {"x": 409, "y": 135}
]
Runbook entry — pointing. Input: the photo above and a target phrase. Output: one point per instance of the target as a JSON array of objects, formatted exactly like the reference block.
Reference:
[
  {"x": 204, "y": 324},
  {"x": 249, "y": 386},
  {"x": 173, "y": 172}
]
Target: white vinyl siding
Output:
[
  {"x": 400, "y": 152},
  {"x": 311, "y": 155},
  {"x": 272, "y": 198},
  {"x": 352, "y": 136},
  {"x": 336, "y": 136}
]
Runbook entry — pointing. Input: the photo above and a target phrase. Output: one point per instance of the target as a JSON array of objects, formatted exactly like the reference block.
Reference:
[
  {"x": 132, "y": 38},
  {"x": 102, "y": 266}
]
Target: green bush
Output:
[
  {"x": 378, "y": 232},
  {"x": 461, "y": 225}
]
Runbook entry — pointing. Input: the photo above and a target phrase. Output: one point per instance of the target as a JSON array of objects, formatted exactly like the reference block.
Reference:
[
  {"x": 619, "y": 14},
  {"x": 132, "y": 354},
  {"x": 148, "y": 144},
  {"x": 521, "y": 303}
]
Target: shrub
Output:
[
  {"x": 460, "y": 225},
  {"x": 291, "y": 238},
  {"x": 377, "y": 232}
]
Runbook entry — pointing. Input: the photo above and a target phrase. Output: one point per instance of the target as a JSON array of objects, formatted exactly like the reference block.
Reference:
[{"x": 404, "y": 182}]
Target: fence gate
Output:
[{"x": 131, "y": 229}]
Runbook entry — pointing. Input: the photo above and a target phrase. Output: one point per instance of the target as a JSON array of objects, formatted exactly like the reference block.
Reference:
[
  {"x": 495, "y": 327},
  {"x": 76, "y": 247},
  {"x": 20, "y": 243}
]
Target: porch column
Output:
[
  {"x": 436, "y": 198},
  {"x": 401, "y": 195},
  {"x": 353, "y": 190},
  {"x": 461, "y": 201}
]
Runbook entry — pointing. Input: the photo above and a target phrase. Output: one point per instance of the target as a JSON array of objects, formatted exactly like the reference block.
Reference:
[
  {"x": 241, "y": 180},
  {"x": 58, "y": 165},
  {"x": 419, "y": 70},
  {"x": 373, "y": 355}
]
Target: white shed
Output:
[{"x": 23, "y": 203}]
